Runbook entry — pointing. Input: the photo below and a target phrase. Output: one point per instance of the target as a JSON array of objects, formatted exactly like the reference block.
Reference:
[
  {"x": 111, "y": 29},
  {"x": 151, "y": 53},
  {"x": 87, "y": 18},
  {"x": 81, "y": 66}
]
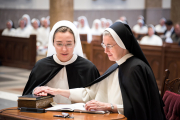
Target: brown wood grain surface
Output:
[{"x": 17, "y": 115}]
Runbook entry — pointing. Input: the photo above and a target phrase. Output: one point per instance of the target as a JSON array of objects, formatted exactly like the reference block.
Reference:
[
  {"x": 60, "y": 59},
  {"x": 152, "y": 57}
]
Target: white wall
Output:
[
  {"x": 24, "y": 4},
  {"x": 78, "y": 4},
  {"x": 108, "y": 4},
  {"x": 166, "y": 4}
]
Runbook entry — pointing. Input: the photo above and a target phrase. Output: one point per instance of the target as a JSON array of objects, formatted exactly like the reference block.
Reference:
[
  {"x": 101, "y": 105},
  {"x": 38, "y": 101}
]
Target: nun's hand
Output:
[
  {"x": 94, "y": 105},
  {"x": 44, "y": 90}
]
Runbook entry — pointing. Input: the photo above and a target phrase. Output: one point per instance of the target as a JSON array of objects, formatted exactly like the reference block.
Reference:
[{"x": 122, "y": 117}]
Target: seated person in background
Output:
[
  {"x": 103, "y": 24},
  {"x": 36, "y": 30},
  {"x": 161, "y": 27},
  {"x": 65, "y": 67},
  {"x": 84, "y": 28},
  {"x": 44, "y": 33},
  {"x": 21, "y": 31},
  {"x": 42, "y": 20},
  {"x": 140, "y": 28},
  {"x": 123, "y": 19},
  {"x": 151, "y": 39},
  {"x": 27, "y": 19},
  {"x": 96, "y": 27},
  {"x": 176, "y": 36},
  {"x": 127, "y": 87},
  {"x": 108, "y": 23},
  {"x": 9, "y": 31},
  {"x": 169, "y": 29},
  {"x": 35, "y": 23}
]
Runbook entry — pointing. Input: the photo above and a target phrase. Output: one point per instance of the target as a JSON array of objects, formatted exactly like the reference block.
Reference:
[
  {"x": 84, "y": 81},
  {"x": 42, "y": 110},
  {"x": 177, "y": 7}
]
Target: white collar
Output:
[
  {"x": 74, "y": 57},
  {"x": 124, "y": 58}
]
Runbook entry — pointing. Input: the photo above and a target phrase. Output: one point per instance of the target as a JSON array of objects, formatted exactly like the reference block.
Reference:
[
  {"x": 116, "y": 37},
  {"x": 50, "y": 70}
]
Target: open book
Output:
[{"x": 77, "y": 107}]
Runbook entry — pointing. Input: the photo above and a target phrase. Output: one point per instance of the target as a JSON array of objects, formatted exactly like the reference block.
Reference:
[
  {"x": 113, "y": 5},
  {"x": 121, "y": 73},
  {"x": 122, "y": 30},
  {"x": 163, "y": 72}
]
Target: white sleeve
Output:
[
  {"x": 84, "y": 94},
  {"x": 120, "y": 109}
]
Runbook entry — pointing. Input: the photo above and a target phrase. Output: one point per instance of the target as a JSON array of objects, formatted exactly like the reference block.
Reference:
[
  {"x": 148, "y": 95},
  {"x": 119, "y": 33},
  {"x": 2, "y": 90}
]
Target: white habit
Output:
[
  {"x": 140, "y": 30},
  {"x": 60, "y": 80},
  {"x": 107, "y": 90},
  {"x": 7, "y": 32},
  {"x": 153, "y": 40},
  {"x": 160, "y": 29}
]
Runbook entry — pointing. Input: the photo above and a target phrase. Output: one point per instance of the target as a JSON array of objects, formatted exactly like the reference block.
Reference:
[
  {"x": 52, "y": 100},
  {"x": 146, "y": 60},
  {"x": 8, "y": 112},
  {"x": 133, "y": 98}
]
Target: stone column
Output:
[
  {"x": 61, "y": 10},
  {"x": 175, "y": 11},
  {"x": 153, "y": 11}
]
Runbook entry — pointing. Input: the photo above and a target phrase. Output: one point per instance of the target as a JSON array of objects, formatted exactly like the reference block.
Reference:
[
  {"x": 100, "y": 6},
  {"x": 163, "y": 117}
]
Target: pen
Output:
[{"x": 62, "y": 116}]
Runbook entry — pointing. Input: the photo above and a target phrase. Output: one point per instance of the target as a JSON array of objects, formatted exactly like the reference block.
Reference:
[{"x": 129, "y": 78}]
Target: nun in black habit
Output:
[
  {"x": 127, "y": 87},
  {"x": 65, "y": 67}
]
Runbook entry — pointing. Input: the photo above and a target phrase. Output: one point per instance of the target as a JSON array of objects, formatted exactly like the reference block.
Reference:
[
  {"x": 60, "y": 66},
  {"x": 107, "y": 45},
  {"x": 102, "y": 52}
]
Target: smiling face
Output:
[
  {"x": 116, "y": 52},
  {"x": 64, "y": 53}
]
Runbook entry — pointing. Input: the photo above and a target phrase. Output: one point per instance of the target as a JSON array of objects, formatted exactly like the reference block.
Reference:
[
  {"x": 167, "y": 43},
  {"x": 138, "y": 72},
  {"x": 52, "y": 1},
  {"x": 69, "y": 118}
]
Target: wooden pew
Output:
[
  {"x": 18, "y": 52},
  {"x": 159, "y": 58},
  {"x": 155, "y": 57}
]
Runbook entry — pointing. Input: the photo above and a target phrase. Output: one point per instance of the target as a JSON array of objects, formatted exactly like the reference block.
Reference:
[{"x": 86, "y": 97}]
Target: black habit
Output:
[
  {"x": 79, "y": 73},
  {"x": 140, "y": 94}
]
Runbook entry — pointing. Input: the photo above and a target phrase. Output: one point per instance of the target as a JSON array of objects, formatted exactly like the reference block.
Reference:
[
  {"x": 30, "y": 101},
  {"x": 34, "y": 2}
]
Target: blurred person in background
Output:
[
  {"x": 84, "y": 28},
  {"x": 151, "y": 39},
  {"x": 140, "y": 28},
  {"x": 21, "y": 31},
  {"x": 103, "y": 24},
  {"x": 123, "y": 19},
  {"x": 27, "y": 18},
  {"x": 161, "y": 27},
  {"x": 108, "y": 23},
  {"x": 96, "y": 27},
  {"x": 9, "y": 30}
]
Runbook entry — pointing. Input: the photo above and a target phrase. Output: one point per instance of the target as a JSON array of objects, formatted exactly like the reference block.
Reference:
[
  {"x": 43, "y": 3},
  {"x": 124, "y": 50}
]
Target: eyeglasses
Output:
[
  {"x": 108, "y": 46},
  {"x": 66, "y": 45}
]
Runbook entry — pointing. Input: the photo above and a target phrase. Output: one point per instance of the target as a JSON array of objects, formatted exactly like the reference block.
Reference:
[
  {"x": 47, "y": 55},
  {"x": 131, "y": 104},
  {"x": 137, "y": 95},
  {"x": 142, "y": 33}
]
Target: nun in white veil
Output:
[
  {"x": 96, "y": 27},
  {"x": 103, "y": 24},
  {"x": 65, "y": 66},
  {"x": 9, "y": 31},
  {"x": 84, "y": 28},
  {"x": 27, "y": 18}
]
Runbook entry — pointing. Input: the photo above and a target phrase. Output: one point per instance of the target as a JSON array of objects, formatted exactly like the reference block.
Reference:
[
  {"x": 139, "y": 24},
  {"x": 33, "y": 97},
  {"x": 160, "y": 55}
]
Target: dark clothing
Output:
[
  {"x": 79, "y": 73},
  {"x": 175, "y": 38},
  {"x": 139, "y": 90}
]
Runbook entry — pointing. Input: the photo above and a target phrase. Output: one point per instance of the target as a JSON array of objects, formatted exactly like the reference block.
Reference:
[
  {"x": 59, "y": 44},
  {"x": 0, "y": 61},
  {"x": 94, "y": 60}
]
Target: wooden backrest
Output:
[
  {"x": 18, "y": 52},
  {"x": 171, "y": 85},
  {"x": 166, "y": 76},
  {"x": 83, "y": 37},
  {"x": 97, "y": 38}
]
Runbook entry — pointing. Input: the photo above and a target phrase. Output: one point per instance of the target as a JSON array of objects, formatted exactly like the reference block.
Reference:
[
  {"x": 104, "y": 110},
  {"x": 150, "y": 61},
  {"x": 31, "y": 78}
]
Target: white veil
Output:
[{"x": 77, "y": 49}]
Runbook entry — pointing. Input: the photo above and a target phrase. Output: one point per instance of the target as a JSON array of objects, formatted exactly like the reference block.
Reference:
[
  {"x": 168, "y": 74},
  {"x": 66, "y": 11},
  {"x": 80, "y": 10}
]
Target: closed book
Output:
[
  {"x": 41, "y": 103},
  {"x": 34, "y": 97}
]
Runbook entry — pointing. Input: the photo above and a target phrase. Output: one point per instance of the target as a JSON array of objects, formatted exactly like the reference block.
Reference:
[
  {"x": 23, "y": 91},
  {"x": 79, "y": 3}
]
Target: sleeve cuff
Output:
[
  {"x": 120, "y": 109},
  {"x": 76, "y": 94}
]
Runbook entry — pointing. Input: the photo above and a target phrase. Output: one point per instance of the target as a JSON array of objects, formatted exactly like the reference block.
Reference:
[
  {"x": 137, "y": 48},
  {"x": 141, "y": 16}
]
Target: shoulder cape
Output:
[
  {"x": 79, "y": 73},
  {"x": 139, "y": 89}
]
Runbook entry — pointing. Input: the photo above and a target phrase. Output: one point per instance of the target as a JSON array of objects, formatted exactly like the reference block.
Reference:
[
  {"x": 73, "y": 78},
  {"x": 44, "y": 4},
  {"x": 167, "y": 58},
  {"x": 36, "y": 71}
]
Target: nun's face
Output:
[
  {"x": 114, "y": 53},
  {"x": 150, "y": 31},
  {"x": 82, "y": 23},
  {"x": 96, "y": 25},
  {"x": 64, "y": 45},
  {"x": 8, "y": 25},
  {"x": 35, "y": 24},
  {"x": 22, "y": 24}
]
